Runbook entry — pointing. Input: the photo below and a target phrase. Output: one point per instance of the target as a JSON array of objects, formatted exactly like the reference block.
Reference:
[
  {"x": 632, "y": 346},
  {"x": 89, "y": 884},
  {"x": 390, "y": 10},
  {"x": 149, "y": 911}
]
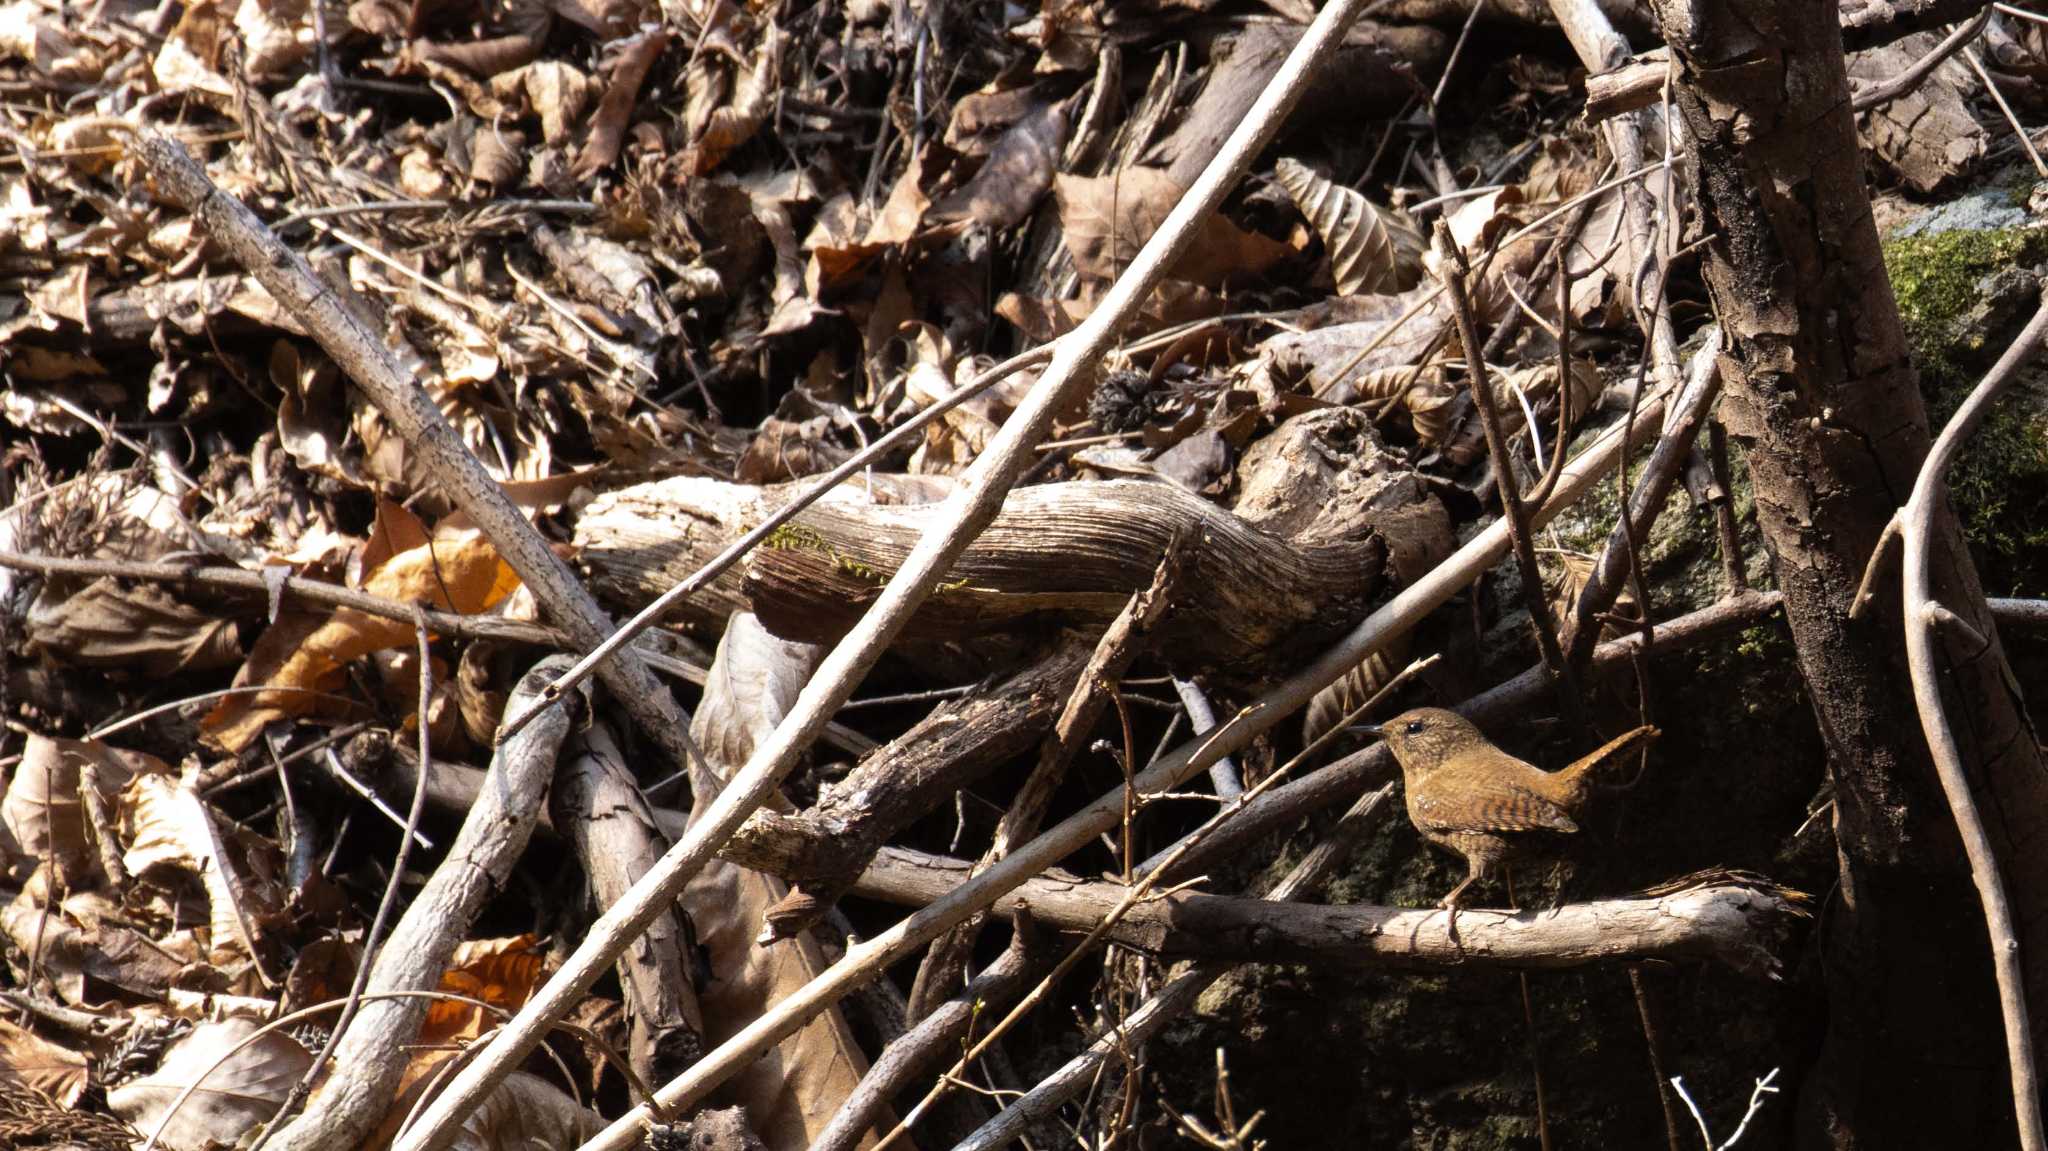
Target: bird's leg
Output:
[
  {"x": 1450, "y": 901},
  {"x": 1451, "y": 904},
  {"x": 1514, "y": 906}
]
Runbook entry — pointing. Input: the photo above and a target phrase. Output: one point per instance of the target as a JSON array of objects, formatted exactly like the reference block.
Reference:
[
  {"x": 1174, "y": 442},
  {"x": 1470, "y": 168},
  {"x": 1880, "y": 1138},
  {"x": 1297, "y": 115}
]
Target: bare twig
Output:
[
  {"x": 1919, "y": 523},
  {"x": 1990, "y": 85},
  {"x": 1135, "y": 894},
  {"x": 1604, "y": 584},
  {"x": 1119, "y": 645},
  {"x": 969, "y": 510},
  {"x": 1725, "y": 526},
  {"x": 369, "y": 1059},
  {"x": 1511, "y": 509},
  {"x": 1177, "y": 996},
  {"x": 918, "y": 1051},
  {"x": 1757, "y": 1096},
  {"x": 1223, "y": 774},
  {"x": 442, "y": 623},
  {"x": 1922, "y": 68}
]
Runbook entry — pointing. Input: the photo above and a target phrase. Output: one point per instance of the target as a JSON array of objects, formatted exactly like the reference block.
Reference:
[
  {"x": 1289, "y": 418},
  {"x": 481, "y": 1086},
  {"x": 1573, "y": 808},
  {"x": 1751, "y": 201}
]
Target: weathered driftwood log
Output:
[
  {"x": 1075, "y": 552},
  {"x": 1322, "y": 511},
  {"x": 958, "y": 743},
  {"x": 1741, "y": 923},
  {"x": 637, "y": 542}
]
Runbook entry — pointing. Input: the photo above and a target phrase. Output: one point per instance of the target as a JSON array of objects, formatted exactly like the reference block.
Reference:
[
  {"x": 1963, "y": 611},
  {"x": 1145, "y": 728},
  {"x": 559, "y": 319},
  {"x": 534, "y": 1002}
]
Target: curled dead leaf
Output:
[{"x": 1364, "y": 257}]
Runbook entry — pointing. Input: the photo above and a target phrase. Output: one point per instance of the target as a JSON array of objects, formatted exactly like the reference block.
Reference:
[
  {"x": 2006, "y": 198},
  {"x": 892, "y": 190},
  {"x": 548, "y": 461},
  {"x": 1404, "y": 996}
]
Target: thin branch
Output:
[
  {"x": 387, "y": 903},
  {"x": 1922, "y": 68},
  {"x": 1511, "y": 509},
  {"x": 2026, "y": 141},
  {"x": 1223, "y": 774},
  {"x": 1169, "y": 1002},
  {"x": 369, "y": 1058},
  {"x": 1133, "y": 895},
  {"x": 968, "y": 511},
  {"x": 444, "y": 623},
  {"x": 1919, "y": 523},
  {"x": 1605, "y": 582}
]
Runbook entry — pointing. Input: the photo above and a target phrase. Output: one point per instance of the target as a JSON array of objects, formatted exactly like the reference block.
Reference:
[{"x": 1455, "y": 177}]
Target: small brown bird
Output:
[{"x": 1468, "y": 796}]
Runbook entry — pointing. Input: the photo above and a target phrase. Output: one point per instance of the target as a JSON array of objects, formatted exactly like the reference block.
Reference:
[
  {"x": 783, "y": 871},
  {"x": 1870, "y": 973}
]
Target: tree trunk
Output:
[{"x": 1822, "y": 397}]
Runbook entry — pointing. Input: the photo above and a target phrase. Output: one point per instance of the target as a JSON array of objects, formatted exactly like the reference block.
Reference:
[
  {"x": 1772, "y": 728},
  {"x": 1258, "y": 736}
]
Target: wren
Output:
[{"x": 1468, "y": 796}]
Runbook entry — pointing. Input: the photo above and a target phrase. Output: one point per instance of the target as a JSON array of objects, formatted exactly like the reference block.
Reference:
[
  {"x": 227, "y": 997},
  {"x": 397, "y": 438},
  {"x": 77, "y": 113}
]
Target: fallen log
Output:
[{"x": 1256, "y": 595}]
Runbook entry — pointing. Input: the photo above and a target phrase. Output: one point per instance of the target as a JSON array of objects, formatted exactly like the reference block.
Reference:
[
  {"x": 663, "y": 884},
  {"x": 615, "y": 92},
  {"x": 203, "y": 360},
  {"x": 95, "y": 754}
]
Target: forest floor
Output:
[{"x": 592, "y": 290}]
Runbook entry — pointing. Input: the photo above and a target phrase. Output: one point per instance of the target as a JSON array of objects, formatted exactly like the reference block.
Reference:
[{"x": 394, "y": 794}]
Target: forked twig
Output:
[{"x": 1918, "y": 527}]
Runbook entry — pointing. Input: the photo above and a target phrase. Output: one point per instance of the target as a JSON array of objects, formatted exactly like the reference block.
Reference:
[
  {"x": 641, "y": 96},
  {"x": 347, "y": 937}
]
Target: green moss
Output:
[{"x": 1937, "y": 280}]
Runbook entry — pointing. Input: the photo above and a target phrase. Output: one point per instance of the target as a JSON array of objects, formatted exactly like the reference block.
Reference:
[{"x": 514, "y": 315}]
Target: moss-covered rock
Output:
[{"x": 1961, "y": 293}]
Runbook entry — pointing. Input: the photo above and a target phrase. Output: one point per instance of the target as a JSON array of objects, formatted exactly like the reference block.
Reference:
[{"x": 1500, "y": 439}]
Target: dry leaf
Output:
[
  {"x": 1359, "y": 334},
  {"x": 1018, "y": 171},
  {"x": 34, "y": 32},
  {"x": 166, "y": 824},
  {"x": 500, "y": 972},
  {"x": 32, "y": 1061},
  {"x": 1424, "y": 392},
  {"x": 733, "y": 125},
  {"x": 85, "y": 950},
  {"x": 1363, "y": 257},
  {"x": 42, "y": 818},
  {"x": 1108, "y": 218},
  {"x": 1328, "y": 707},
  {"x": 302, "y": 656},
  {"x": 793, "y": 1090},
  {"x": 233, "y": 1098}
]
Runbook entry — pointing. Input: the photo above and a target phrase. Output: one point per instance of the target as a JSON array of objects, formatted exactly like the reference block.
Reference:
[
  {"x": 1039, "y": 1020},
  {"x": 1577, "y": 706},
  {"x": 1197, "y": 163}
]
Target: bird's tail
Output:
[{"x": 1615, "y": 751}]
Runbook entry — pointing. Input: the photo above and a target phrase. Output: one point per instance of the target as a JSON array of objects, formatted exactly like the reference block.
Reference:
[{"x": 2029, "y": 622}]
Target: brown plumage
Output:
[{"x": 1468, "y": 796}]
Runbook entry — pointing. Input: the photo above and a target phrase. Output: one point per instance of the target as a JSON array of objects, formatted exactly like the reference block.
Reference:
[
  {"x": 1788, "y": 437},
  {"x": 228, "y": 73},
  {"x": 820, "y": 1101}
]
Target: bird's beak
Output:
[{"x": 1370, "y": 729}]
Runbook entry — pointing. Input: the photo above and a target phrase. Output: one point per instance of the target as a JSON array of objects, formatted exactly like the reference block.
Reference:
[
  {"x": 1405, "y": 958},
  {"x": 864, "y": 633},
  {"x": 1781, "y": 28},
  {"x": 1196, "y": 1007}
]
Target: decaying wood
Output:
[
  {"x": 958, "y": 743},
  {"x": 1071, "y": 552},
  {"x": 1740, "y": 926},
  {"x": 922, "y": 1049},
  {"x": 1867, "y": 25},
  {"x": 637, "y": 542},
  {"x": 598, "y": 806},
  {"x": 371, "y": 1057},
  {"x": 1136, "y": 1028},
  {"x": 1076, "y": 552}
]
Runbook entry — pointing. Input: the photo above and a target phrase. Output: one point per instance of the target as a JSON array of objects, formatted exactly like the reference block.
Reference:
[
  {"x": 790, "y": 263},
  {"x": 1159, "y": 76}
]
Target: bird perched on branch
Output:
[{"x": 1468, "y": 796}]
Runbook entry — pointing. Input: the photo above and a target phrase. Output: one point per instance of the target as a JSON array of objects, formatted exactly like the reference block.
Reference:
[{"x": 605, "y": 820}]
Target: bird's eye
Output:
[{"x": 1415, "y": 727}]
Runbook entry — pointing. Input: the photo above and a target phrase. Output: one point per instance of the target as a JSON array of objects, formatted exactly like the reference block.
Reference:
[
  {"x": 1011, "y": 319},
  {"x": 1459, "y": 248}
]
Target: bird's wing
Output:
[{"x": 1492, "y": 805}]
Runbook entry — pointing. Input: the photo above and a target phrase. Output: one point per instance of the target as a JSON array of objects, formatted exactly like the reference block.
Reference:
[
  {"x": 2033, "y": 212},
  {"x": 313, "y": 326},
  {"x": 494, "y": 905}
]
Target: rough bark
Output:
[
  {"x": 1823, "y": 399},
  {"x": 597, "y": 805},
  {"x": 957, "y": 744}
]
